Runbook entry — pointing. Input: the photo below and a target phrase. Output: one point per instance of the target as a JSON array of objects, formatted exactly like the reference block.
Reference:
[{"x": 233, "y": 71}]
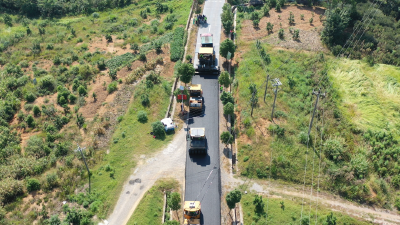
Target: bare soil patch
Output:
[
  {"x": 103, "y": 45},
  {"x": 309, "y": 33}
]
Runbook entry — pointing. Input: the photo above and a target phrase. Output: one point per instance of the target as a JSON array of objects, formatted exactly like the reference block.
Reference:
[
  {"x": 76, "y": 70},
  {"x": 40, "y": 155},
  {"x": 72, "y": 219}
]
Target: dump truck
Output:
[
  {"x": 196, "y": 98},
  {"x": 196, "y": 141},
  {"x": 192, "y": 212},
  {"x": 206, "y": 54}
]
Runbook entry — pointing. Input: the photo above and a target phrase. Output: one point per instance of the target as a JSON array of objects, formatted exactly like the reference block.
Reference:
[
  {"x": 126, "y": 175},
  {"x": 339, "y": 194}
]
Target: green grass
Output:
[
  {"x": 361, "y": 98},
  {"x": 123, "y": 154},
  {"x": 291, "y": 213},
  {"x": 149, "y": 210},
  {"x": 370, "y": 95}
]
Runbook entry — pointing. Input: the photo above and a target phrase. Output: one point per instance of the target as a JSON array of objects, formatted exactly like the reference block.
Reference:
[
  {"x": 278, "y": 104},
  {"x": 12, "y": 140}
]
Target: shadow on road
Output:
[
  {"x": 201, "y": 160},
  {"x": 227, "y": 152}
]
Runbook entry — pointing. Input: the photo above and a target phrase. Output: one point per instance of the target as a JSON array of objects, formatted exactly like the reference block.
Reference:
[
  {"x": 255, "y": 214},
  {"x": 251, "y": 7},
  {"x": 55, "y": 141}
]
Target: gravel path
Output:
[{"x": 168, "y": 163}]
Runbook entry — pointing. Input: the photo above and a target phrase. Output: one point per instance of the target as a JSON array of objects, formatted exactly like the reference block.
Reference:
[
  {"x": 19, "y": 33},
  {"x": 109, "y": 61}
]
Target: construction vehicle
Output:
[
  {"x": 192, "y": 212},
  {"x": 196, "y": 98},
  {"x": 206, "y": 54},
  {"x": 196, "y": 141}
]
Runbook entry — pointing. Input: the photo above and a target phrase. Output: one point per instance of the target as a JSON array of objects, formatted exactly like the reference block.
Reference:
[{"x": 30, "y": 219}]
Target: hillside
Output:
[{"x": 80, "y": 77}]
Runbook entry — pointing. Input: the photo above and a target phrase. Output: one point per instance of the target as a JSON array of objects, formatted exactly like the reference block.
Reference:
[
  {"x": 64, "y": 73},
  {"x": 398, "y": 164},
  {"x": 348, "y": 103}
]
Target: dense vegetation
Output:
[
  {"x": 376, "y": 27},
  {"x": 48, "y": 70},
  {"x": 357, "y": 162}
]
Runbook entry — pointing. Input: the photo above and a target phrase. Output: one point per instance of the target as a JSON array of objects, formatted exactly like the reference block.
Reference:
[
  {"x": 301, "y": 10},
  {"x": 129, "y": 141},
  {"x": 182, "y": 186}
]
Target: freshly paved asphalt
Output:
[{"x": 203, "y": 178}]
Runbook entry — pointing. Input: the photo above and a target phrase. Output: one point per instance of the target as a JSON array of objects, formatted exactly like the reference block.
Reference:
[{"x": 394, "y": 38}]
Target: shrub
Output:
[
  {"x": 57, "y": 60},
  {"x": 227, "y": 97},
  {"x": 177, "y": 45},
  {"x": 270, "y": 27},
  {"x": 142, "y": 57},
  {"x": 32, "y": 185},
  {"x": 158, "y": 129},
  {"x": 228, "y": 109},
  {"x": 10, "y": 189},
  {"x": 61, "y": 149},
  {"x": 256, "y": 23},
  {"x": 145, "y": 99},
  {"x": 311, "y": 20},
  {"x": 51, "y": 180},
  {"x": 113, "y": 86},
  {"x": 278, "y": 7},
  {"x": 108, "y": 38},
  {"x": 30, "y": 97},
  {"x": 72, "y": 98},
  {"x": 36, "y": 110},
  {"x": 226, "y": 138},
  {"x": 30, "y": 121},
  {"x": 334, "y": 149},
  {"x": 142, "y": 116},
  {"x": 266, "y": 10},
  {"x": 281, "y": 33},
  {"x": 296, "y": 34},
  {"x": 82, "y": 91},
  {"x": 37, "y": 147},
  {"x": 246, "y": 158}
]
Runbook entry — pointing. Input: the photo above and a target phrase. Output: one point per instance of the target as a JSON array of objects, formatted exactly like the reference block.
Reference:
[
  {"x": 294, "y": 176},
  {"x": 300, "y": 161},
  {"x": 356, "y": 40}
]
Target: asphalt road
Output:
[
  {"x": 212, "y": 10},
  {"x": 203, "y": 175}
]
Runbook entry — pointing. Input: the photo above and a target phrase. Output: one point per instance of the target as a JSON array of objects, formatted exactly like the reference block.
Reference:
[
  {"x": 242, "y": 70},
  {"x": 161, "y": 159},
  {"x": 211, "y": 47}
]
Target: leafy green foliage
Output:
[
  {"x": 158, "y": 129},
  {"x": 36, "y": 110},
  {"x": 113, "y": 86},
  {"x": 228, "y": 109},
  {"x": 186, "y": 72},
  {"x": 224, "y": 79},
  {"x": 118, "y": 61},
  {"x": 226, "y": 138},
  {"x": 178, "y": 44},
  {"x": 32, "y": 184},
  {"x": 232, "y": 198},
  {"x": 335, "y": 23},
  {"x": 142, "y": 116},
  {"x": 270, "y": 27},
  {"x": 227, "y": 97},
  {"x": 227, "y": 46},
  {"x": 281, "y": 33},
  {"x": 174, "y": 201}
]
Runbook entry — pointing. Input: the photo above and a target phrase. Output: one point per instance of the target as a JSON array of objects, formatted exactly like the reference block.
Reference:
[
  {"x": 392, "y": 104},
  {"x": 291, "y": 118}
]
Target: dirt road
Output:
[
  {"x": 335, "y": 203},
  {"x": 168, "y": 163}
]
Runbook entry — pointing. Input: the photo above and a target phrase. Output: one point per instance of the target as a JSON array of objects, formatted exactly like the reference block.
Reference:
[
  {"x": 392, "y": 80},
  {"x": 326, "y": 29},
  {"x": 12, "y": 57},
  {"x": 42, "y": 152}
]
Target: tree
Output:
[
  {"x": 256, "y": 23},
  {"x": 270, "y": 27},
  {"x": 186, "y": 72},
  {"x": 330, "y": 219},
  {"x": 30, "y": 121},
  {"x": 94, "y": 96},
  {"x": 142, "y": 116},
  {"x": 278, "y": 7},
  {"x": 291, "y": 18},
  {"x": 175, "y": 202},
  {"x": 259, "y": 204},
  {"x": 7, "y": 20},
  {"x": 228, "y": 109},
  {"x": 108, "y": 38},
  {"x": 32, "y": 185},
  {"x": 135, "y": 47},
  {"x": 227, "y": 46},
  {"x": 281, "y": 33},
  {"x": 158, "y": 129},
  {"x": 254, "y": 97},
  {"x": 226, "y": 97},
  {"x": 266, "y": 10},
  {"x": 80, "y": 120},
  {"x": 82, "y": 91},
  {"x": 95, "y": 16},
  {"x": 334, "y": 26},
  {"x": 28, "y": 31},
  {"x": 36, "y": 48},
  {"x": 227, "y": 17},
  {"x": 232, "y": 198},
  {"x": 36, "y": 110},
  {"x": 296, "y": 34},
  {"x": 226, "y": 138},
  {"x": 224, "y": 79},
  {"x": 54, "y": 220}
]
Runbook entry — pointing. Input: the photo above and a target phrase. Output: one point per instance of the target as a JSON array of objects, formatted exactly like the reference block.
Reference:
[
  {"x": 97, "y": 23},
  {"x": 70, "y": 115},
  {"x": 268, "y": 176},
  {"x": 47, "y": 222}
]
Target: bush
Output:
[
  {"x": 177, "y": 45},
  {"x": 10, "y": 189},
  {"x": 51, "y": 180},
  {"x": 227, "y": 97},
  {"x": 281, "y": 33},
  {"x": 36, "y": 110},
  {"x": 145, "y": 99},
  {"x": 113, "y": 86},
  {"x": 228, "y": 109},
  {"x": 158, "y": 129},
  {"x": 226, "y": 138},
  {"x": 108, "y": 38},
  {"x": 142, "y": 116},
  {"x": 37, "y": 147},
  {"x": 82, "y": 91},
  {"x": 142, "y": 57},
  {"x": 32, "y": 185},
  {"x": 334, "y": 149},
  {"x": 30, "y": 97},
  {"x": 72, "y": 98},
  {"x": 30, "y": 121}
]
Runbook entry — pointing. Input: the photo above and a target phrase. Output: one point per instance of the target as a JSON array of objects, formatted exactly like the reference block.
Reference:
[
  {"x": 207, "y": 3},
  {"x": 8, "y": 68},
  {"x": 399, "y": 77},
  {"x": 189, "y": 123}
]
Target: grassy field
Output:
[
  {"x": 131, "y": 139},
  {"x": 149, "y": 210},
  {"x": 41, "y": 123},
  {"x": 357, "y": 163},
  {"x": 370, "y": 95},
  {"x": 290, "y": 213}
]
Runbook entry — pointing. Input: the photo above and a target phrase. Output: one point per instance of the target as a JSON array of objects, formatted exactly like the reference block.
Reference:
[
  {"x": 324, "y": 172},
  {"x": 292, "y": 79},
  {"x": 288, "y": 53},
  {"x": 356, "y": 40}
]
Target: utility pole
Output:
[
  {"x": 318, "y": 94},
  {"x": 276, "y": 85},
  {"x": 81, "y": 149},
  {"x": 265, "y": 93}
]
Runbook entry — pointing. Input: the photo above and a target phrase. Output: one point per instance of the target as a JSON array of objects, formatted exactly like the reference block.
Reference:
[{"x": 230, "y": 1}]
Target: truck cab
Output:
[
  {"x": 196, "y": 98},
  {"x": 192, "y": 212}
]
